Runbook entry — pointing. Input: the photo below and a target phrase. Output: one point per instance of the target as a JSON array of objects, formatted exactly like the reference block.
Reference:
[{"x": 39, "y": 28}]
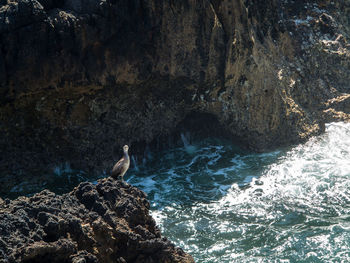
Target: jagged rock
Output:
[
  {"x": 79, "y": 79},
  {"x": 107, "y": 222}
]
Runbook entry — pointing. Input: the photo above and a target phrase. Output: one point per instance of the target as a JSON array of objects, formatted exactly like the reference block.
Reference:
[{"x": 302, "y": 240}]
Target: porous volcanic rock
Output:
[
  {"x": 81, "y": 78},
  {"x": 107, "y": 222}
]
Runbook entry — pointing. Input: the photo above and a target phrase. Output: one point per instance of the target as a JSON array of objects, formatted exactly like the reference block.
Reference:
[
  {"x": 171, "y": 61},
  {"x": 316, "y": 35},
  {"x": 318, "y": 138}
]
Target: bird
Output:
[{"x": 120, "y": 168}]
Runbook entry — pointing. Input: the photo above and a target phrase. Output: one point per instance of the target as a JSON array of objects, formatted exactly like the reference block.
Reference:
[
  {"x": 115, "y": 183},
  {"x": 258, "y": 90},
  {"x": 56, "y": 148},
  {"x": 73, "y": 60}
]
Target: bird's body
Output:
[{"x": 120, "y": 168}]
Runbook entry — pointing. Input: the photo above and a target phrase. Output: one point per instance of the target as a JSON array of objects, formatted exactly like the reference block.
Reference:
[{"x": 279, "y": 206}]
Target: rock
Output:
[
  {"x": 79, "y": 79},
  {"x": 73, "y": 227}
]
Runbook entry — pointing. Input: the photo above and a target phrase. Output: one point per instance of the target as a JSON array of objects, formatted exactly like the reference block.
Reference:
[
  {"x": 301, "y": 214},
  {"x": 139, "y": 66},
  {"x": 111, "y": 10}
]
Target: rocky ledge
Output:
[{"x": 107, "y": 222}]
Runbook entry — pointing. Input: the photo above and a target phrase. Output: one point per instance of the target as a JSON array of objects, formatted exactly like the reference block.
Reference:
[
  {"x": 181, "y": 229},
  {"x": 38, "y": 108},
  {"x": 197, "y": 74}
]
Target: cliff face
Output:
[
  {"x": 80, "y": 78},
  {"x": 107, "y": 222}
]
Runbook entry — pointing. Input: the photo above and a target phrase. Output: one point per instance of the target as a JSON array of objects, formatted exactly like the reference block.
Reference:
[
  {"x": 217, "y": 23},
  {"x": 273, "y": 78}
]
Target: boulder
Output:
[{"x": 106, "y": 222}]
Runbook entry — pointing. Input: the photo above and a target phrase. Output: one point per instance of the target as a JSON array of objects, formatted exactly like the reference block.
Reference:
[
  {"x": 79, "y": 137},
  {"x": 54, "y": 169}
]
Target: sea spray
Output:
[
  {"x": 134, "y": 163},
  {"x": 190, "y": 149},
  {"x": 224, "y": 205}
]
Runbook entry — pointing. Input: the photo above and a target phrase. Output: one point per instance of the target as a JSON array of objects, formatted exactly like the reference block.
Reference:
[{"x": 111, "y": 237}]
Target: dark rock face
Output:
[
  {"x": 107, "y": 222},
  {"x": 81, "y": 78}
]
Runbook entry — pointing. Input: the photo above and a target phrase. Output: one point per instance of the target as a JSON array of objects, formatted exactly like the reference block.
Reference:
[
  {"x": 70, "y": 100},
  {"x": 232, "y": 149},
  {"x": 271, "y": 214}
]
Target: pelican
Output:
[{"x": 120, "y": 168}]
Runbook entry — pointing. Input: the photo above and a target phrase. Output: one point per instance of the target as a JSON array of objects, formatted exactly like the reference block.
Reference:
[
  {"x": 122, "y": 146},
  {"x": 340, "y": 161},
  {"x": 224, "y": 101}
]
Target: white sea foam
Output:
[{"x": 290, "y": 206}]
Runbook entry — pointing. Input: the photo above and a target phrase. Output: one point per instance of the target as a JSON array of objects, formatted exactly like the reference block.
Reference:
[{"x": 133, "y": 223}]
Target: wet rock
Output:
[{"x": 73, "y": 228}]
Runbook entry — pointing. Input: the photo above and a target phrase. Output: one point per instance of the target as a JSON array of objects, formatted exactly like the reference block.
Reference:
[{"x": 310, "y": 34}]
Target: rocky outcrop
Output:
[
  {"x": 81, "y": 78},
  {"x": 107, "y": 222}
]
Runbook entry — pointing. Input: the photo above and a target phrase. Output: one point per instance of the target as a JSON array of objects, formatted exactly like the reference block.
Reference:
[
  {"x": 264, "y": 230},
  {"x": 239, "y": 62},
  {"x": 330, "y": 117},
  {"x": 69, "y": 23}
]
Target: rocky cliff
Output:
[
  {"x": 80, "y": 78},
  {"x": 107, "y": 222}
]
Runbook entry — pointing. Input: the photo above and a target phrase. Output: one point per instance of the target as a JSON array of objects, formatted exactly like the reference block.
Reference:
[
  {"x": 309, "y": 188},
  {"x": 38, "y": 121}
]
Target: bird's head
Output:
[{"x": 125, "y": 148}]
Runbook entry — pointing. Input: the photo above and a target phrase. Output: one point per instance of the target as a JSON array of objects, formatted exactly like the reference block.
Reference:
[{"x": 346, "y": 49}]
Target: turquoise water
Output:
[{"x": 224, "y": 205}]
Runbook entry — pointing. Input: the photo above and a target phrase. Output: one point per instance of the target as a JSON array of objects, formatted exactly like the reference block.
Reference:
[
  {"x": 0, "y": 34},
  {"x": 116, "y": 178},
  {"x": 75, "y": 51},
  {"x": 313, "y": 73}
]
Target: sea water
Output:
[{"x": 223, "y": 204}]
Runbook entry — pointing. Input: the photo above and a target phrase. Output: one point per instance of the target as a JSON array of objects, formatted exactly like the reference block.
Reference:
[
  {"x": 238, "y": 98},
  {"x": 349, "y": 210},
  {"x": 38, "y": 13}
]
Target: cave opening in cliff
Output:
[
  {"x": 200, "y": 125},
  {"x": 197, "y": 129},
  {"x": 193, "y": 128}
]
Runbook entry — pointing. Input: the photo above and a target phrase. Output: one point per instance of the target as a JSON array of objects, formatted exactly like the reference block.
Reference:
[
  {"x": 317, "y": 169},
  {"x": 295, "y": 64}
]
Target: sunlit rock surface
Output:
[
  {"x": 79, "y": 79},
  {"x": 107, "y": 222}
]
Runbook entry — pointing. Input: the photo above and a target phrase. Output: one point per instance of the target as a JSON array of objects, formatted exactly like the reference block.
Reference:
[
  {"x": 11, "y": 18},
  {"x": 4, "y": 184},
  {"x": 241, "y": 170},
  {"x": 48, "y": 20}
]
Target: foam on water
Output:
[{"x": 223, "y": 205}]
